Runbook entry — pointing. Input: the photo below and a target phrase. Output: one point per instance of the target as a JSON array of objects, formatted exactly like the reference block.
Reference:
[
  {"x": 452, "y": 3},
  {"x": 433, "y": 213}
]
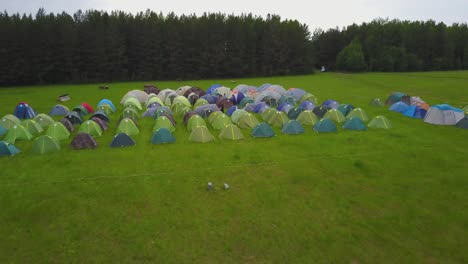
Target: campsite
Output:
[{"x": 359, "y": 193}]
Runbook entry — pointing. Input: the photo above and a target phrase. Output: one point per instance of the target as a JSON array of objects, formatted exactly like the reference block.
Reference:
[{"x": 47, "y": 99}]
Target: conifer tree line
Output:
[
  {"x": 97, "y": 46},
  {"x": 393, "y": 45}
]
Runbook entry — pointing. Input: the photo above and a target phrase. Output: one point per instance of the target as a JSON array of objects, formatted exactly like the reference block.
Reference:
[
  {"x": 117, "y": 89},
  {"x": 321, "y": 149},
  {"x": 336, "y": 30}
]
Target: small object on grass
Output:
[
  {"x": 210, "y": 186},
  {"x": 226, "y": 186},
  {"x": 104, "y": 87},
  {"x": 64, "y": 97}
]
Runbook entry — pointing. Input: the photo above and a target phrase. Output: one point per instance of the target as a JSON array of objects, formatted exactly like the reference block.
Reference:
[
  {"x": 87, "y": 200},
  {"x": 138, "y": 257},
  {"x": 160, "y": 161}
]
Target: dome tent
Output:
[
  {"x": 7, "y": 149},
  {"x": 358, "y": 112},
  {"x": 24, "y": 111},
  {"x": 380, "y": 122},
  {"x": 444, "y": 114},
  {"x": 325, "y": 125},
  {"x": 231, "y": 132},
  {"x": 9, "y": 120},
  {"x": 17, "y": 132},
  {"x": 83, "y": 141},
  {"x": 58, "y": 131},
  {"x": 122, "y": 140},
  {"x": 354, "y": 123},
  {"x": 201, "y": 134},
  {"x": 32, "y": 126},
  {"x": 59, "y": 110},
  {"x": 263, "y": 130},
  {"x": 45, "y": 144},
  {"x": 90, "y": 127},
  {"x": 162, "y": 136},
  {"x": 293, "y": 127}
]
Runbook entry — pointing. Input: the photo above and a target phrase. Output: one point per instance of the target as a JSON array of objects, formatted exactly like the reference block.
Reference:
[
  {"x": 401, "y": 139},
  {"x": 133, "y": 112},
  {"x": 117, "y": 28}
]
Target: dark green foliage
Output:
[
  {"x": 96, "y": 46},
  {"x": 351, "y": 58}
]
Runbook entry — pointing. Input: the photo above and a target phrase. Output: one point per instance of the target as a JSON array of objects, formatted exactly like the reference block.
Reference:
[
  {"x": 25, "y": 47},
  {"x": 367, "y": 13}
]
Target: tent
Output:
[
  {"x": 263, "y": 130},
  {"x": 358, "y": 112},
  {"x": 210, "y": 98},
  {"x": 224, "y": 103},
  {"x": 88, "y": 107},
  {"x": 24, "y": 111},
  {"x": 325, "y": 125},
  {"x": 465, "y": 109},
  {"x": 59, "y": 110},
  {"x": 286, "y": 100},
  {"x": 154, "y": 99},
  {"x": 128, "y": 126},
  {"x": 221, "y": 121},
  {"x": 58, "y": 131},
  {"x": 232, "y": 109},
  {"x": 213, "y": 116},
  {"x": 90, "y": 127},
  {"x": 212, "y": 88},
  {"x": 181, "y": 90},
  {"x": 247, "y": 121},
  {"x": 74, "y": 117},
  {"x": 307, "y": 105},
  {"x": 398, "y": 97},
  {"x": 345, "y": 108},
  {"x": 268, "y": 113},
  {"x": 295, "y": 93},
  {"x": 140, "y": 95},
  {"x": 102, "y": 124},
  {"x": 170, "y": 97},
  {"x": 3, "y": 131},
  {"x": 122, "y": 140},
  {"x": 206, "y": 110},
  {"x": 9, "y": 121},
  {"x": 335, "y": 115},
  {"x": 463, "y": 123},
  {"x": 309, "y": 97},
  {"x": 131, "y": 113},
  {"x": 151, "y": 89},
  {"x": 32, "y": 126},
  {"x": 444, "y": 114},
  {"x": 285, "y": 107},
  {"x": 105, "y": 108},
  {"x": 17, "y": 132},
  {"x": 162, "y": 136},
  {"x": 179, "y": 109},
  {"x": 320, "y": 111},
  {"x": 376, "y": 102},
  {"x": 200, "y": 102},
  {"x": 7, "y": 149},
  {"x": 163, "y": 122},
  {"x": 102, "y": 115},
  {"x": 307, "y": 117},
  {"x": 67, "y": 124},
  {"x": 196, "y": 90},
  {"x": 182, "y": 100},
  {"x": 201, "y": 134},
  {"x": 195, "y": 121},
  {"x": 246, "y": 100},
  {"x": 45, "y": 144},
  {"x": 81, "y": 110},
  {"x": 331, "y": 104},
  {"x": 223, "y": 92},
  {"x": 261, "y": 107},
  {"x": 237, "y": 97},
  {"x": 293, "y": 127},
  {"x": 278, "y": 119},
  {"x": 380, "y": 122},
  {"x": 231, "y": 132},
  {"x": 354, "y": 123},
  {"x": 237, "y": 115},
  {"x": 133, "y": 102},
  {"x": 83, "y": 141},
  {"x": 295, "y": 112},
  {"x": 415, "y": 111},
  {"x": 399, "y": 107},
  {"x": 106, "y": 102}
]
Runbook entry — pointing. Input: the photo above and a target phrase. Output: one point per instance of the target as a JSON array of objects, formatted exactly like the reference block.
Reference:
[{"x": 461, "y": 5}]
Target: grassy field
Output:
[{"x": 395, "y": 196}]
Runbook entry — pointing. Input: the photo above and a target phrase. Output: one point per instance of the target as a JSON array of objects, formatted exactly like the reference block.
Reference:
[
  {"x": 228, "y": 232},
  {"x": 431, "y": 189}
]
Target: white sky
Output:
[{"x": 317, "y": 14}]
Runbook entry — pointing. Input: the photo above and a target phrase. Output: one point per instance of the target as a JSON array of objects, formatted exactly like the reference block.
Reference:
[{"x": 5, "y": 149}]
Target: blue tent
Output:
[
  {"x": 325, "y": 125},
  {"x": 236, "y": 98},
  {"x": 3, "y": 130},
  {"x": 261, "y": 107},
  {"x": 7, "y": 149},
  {"x": 107, "y": 102},
  {"x": 212, "y": 88},
  {"x": 331, "y": 104},
  {"x": 263, "y": 130},
  {"x": 354, "y": 123},
  {"x": 210, "y": 98},
  {"x": 122, "y": 140},
  {"x": 162, "y": 135},
  {"x": 295, "y": 93},
  {"x": 231, "y": 110},
  {"x": 415, "y": 111},
  {"x": 307, "y": 105},
  {"x": 24, "y": 111},
  {"x": 292, "y": 127},
  {"x": 59, "y": 110},
  {"x": 285, "y": 107},
  {"x": 399, "y": 107}
]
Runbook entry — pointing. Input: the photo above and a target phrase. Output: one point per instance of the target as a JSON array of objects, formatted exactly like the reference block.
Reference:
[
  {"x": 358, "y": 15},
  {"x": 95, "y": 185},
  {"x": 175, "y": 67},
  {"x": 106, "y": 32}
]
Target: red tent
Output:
[{"x": 88, "y": 107}]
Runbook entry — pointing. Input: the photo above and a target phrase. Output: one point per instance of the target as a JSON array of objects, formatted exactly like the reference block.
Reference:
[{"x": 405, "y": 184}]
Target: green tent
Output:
[
  {"x": 247, "y": 121},
  {"x": 278, "y": 119},
  {"x": 267, "y": 114},
  {"x": 307, "y": 118},
  {"x": 354, "y": 123},
  {"x": 162, "y": 136},
  {"x": 32, "y": 126},
  {"x": 182, "y": 100},
  {"x": 45, "y": 144},
  {"x": 380, "y": 122},
  {"x": 131, "y": 113},
  {"x": 195, "y": 121},
  {"x": 132, "y": 102},
  {"x": 309, "y": 97},
  {"x": 17, "y": 132},
  {"x": 236, "y": 115},
  {"x": 199, "y": 102},
  {"x": 128, "y": 127},
  {"x": 376, "y": 102},
  {"x": 293, "y": 127},
  {"x": 221, "y": 121},
  {"x": 179, "y": 109},
  {"x": 90, "y": 127},
  {"x": 9, "y": 121},
  {"x": 358, "y": 112},
  {"x": 231, "y": 132},
  {"x": 201, "y": 134},
  {"x": 213, "y": 116},
  {"x": 325, "y": 125},
  {"x": 58, "y": 131},
  {"x": 105, "y": 108},
  {"x": 44, "y": 120},
  {"x": 163, "y": 122},
  {"x": 263, "y": 130},
  {"x": 7, "y": 149},
  {"x": 81, "y": 110},
  {"x": 335, "y": 115}
]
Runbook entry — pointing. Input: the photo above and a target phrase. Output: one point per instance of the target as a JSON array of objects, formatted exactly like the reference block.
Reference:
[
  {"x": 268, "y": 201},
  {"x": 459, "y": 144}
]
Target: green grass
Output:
[{"x": 396, "y": 196}]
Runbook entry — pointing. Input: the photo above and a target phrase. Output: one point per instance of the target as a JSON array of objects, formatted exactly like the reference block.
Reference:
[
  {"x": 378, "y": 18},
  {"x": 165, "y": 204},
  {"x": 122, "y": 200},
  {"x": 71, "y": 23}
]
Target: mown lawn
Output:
[{"x": 395, "y": 196}]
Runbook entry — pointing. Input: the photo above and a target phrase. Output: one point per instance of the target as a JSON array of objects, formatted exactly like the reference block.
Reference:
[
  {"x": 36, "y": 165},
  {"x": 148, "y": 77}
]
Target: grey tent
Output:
[
  {"x": 83, "y": 141},
  {"x": 67, "y": 124},
  {"x": 122, "y": 140}
]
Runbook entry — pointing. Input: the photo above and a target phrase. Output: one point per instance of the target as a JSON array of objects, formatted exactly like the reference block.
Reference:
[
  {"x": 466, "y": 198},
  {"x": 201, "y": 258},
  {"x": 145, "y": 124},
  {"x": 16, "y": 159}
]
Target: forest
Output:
[{"x": 98, "y": 46}]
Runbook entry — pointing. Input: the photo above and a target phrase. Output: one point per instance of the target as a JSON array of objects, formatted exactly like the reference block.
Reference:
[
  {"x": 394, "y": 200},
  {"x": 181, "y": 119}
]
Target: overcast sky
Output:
[{"x": 317, "y": 14}]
